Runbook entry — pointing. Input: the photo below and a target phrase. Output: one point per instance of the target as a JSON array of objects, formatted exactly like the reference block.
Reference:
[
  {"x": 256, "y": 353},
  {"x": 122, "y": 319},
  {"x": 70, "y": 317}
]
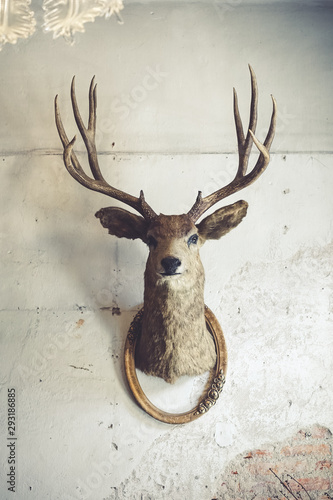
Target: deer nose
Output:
[{"x": 170, "y": 264}]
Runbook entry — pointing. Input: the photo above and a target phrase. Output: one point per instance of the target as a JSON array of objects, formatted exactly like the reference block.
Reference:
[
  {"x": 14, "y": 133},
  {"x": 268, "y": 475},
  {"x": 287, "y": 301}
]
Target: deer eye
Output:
[
  {"x": 152, "y": 242},
  {"x": 193, "y": 240}
]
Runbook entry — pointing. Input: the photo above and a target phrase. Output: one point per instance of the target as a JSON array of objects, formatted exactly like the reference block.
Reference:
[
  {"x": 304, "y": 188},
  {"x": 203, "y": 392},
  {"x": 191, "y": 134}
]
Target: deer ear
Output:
[
  {"x": 222, "y": 221},
  {"x": 122, "y": 223}
]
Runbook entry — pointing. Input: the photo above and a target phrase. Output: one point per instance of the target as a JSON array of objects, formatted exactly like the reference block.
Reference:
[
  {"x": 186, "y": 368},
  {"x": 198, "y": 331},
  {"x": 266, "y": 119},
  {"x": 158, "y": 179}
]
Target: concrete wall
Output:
[{"x": 165, "y": 81}]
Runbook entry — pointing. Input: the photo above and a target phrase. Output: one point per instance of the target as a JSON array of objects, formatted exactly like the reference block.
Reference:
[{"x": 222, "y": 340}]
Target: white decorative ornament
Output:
[
  {"x": 66, "y": 17},
  {"x": 112, "y": 7},
  {"x": 16, "y": 21}
]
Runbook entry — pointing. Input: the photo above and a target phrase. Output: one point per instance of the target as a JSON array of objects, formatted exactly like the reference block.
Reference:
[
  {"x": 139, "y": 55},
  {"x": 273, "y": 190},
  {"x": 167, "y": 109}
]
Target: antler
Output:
[
  {"x": 98, "y": 183},
  {"x": 242, "y": 179}
]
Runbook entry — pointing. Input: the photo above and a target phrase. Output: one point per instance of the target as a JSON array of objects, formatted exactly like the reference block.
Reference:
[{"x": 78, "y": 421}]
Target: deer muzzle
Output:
[{"x": 171, "y": 266}]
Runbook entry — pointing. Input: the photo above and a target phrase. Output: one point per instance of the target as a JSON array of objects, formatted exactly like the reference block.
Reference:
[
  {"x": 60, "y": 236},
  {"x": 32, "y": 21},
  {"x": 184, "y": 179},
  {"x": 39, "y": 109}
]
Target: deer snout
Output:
[{"x": 170, "y": 265}]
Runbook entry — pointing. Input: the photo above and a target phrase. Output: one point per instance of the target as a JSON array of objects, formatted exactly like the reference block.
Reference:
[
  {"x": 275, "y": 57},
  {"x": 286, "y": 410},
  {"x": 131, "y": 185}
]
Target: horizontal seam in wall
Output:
[{"x": 39, "y": 152}]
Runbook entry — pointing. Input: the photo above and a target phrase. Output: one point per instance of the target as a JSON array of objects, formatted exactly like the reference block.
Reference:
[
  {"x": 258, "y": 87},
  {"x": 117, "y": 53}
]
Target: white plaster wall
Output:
[{"x": 80, "y": 435}]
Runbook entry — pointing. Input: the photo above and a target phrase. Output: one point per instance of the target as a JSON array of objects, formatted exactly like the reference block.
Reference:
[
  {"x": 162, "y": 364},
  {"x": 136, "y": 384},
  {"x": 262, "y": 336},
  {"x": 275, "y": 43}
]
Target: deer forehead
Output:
[{"x": 172, "y": 227}]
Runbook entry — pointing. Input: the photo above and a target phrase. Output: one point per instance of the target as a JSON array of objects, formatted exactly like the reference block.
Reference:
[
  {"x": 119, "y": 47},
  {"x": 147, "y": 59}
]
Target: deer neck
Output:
[
  {"x": 174, "y": 337},
  {"x": 171, "y": 304}
]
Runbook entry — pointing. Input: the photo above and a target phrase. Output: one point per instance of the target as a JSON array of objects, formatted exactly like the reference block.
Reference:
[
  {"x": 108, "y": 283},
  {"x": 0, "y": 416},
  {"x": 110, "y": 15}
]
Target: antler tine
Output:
[
  {"x": 245, "y": 144},
  {"x": 88, "y": 134},
  {"x": 92, "y": 105},
  {"x": 72, "y": 164},
  {"x": 271, "y": 131},
  {"x": 242, "y": 179}
]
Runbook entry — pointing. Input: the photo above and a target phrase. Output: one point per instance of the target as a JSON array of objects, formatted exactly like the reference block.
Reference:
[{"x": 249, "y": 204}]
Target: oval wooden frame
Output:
[{"x": 215, "y": 384}]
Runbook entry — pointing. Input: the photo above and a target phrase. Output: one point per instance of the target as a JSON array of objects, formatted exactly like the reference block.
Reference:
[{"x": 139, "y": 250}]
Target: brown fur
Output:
[{"x": 174, "y": 340}]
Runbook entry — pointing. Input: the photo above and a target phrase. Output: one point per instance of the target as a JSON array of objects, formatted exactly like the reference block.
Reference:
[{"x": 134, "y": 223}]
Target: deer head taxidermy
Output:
[{"x": 174, "y": 340}]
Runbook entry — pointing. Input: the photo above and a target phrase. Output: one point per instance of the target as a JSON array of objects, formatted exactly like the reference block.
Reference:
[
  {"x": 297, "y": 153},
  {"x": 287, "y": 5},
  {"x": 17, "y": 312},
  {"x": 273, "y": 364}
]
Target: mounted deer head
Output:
[{"x": 174, "y": 339}]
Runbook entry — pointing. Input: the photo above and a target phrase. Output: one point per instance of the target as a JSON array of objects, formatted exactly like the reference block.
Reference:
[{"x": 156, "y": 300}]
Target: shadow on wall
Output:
[{"x": 96, "y": 266}]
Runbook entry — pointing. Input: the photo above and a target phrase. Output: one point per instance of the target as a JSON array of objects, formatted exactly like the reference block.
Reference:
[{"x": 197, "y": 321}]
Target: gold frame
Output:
[{"x": 216, "y": 381}]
